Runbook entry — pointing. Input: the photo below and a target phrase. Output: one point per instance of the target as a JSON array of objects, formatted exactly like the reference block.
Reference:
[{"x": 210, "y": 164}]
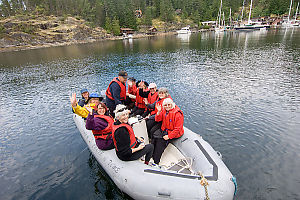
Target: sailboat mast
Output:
[
  {"x": 296, "y": 12},
  {"x": 249, "y": 19},
  {"x": 290, "y": 10},
  {"x": 243, "y": 10},
  {"x": 230, "y": 16},
  {"x": 220, "y": 13}
]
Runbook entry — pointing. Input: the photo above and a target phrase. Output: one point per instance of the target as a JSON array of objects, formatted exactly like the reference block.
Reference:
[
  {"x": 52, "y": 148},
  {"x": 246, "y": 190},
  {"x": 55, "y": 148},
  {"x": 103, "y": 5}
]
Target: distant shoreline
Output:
[
  {"x": 67, "y": 43},
  {"x": 13, "y": 48}
]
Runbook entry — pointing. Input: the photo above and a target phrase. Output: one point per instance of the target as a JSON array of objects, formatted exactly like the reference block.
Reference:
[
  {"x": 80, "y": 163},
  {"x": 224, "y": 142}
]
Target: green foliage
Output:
[
  {"x": 2, "y": 30},
  {"x": 102, "y": 12},
  {"x": 26, "y": 28},
  {"x": 115, "y": 27},
  {"x": 166, "y": 10},
  {"x": 108, "y": 25},
  {"x": 147, "y": 18}
]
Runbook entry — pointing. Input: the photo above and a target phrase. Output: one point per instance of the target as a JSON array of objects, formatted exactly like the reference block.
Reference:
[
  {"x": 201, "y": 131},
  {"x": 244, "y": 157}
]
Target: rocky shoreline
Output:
[{"x": 22, "y": 33}]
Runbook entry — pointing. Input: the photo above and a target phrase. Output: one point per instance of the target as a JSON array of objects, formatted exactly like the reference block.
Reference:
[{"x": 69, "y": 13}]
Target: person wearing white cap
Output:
[
  {"x": 172, "y": 127},
  {"x": 128, "y": 147},
  {"x": 150, "y": 97}
]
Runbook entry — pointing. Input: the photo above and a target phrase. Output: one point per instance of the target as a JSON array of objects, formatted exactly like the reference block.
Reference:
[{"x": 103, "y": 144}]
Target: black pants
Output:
[
  {"x": 148, "y": 150},
  {"x": 146, "y": 113},
  {"x": 152, "y": 126},
  {"x": 159, "y": 146},
  {"x": 138, "y": 111},
  {"x": 129, "y": 103}
]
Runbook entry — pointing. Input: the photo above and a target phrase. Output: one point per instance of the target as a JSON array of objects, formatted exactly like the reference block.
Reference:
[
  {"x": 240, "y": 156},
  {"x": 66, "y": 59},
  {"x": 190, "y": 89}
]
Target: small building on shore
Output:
[
  {"x": 126, "y": 31},
  {"x": 152, "y": 31}
]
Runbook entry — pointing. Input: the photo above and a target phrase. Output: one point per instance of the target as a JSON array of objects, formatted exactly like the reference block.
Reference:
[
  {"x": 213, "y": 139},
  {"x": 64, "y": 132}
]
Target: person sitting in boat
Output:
[
  {"x": 101, "y": 123},
  {"x": 116, "y": 91},
  {"x": 151, "y": 124},
  {"x": 128, "y": 147},
  {"x": 172, "y": 127},
  {"x": 85, "y": 97},
  {"x": 150, "y": 97},
  {"x": 82, "y": 111},
  {"x": 131, "y": 93},
  {"x": 140, "y": 106}
]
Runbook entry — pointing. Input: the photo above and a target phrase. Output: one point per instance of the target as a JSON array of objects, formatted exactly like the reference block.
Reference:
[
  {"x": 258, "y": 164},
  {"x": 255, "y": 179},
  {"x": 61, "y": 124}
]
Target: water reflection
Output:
[{"x": 185, "y": 38}]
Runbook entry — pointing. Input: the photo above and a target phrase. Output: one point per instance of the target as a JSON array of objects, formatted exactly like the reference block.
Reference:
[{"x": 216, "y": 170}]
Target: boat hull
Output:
[{"x": 142, "y": 181}]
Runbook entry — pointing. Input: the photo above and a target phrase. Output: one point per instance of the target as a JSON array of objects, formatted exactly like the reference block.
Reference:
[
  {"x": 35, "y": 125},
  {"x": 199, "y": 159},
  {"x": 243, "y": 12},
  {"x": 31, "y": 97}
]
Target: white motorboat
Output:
[
  {"x": 184, "y": 30},
  {"x": 184, "y": 163}
]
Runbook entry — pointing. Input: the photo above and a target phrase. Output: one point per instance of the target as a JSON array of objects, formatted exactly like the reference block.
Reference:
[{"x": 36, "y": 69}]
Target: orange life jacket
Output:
[
  {"x": 105, "y": 133},
  {"x": 123, "y": 90},
  {"x": 133, "y": 141},
  {"x": 139, "y": 101},
  {"x": 169, "y": 120}
]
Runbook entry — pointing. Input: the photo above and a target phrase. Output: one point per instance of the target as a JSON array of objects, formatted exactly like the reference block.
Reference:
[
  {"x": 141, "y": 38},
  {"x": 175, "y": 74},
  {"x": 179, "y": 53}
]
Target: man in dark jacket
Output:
[
  {"x": 85, "y": 97},
  {"x": 116, "y": 91}
]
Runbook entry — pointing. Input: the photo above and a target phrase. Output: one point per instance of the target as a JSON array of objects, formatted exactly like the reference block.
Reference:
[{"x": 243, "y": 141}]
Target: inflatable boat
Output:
[{"x": 189, "y": 169}]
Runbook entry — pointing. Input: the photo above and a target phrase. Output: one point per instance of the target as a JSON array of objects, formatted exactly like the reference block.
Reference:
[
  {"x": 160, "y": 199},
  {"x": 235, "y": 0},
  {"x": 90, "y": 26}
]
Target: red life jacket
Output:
[
  {"x": 133, "y": 141},
  {"x": 169, "y": 120},
  {"x": 132, "y": 90},
  {"x": 139, "y": 101},
  {"x": 152, "y": 97},
  {"x": 123, "y": 90},
  {"x": 160, "y": 102},
  {"x": 105, "y": 133}
]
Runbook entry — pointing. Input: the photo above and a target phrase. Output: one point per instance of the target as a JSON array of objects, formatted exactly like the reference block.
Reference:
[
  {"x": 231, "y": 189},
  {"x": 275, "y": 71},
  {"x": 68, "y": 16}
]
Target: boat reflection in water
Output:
[{"x": 184, "y": 37}]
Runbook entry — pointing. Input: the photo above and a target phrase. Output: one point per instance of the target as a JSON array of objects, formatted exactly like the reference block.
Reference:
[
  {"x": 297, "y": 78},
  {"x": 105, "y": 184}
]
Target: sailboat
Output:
[
  {"x": 218, "y": 27},
  {"x": 251, "y": 25},
  {"x": 291, "y": 23}
]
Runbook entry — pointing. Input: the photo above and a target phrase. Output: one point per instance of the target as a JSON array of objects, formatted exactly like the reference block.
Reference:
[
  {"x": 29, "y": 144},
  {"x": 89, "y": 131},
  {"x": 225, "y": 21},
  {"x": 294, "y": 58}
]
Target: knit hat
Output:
[{"x": 120, "y": 110}]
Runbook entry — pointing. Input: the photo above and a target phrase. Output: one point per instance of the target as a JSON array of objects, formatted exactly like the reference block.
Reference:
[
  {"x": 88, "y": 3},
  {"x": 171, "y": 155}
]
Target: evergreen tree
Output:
[
  {"x": 166, "y": 10},
  {"x": 148, "y": 16},
  {"x": 115, "y": 27},
  {"x": 108, "y": 25},
  {"x": 6, "y": 8}
]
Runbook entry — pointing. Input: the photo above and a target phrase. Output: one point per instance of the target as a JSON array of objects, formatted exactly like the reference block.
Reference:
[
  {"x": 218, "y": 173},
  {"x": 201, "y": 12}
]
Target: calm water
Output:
[{"x": 240, "y": 91}]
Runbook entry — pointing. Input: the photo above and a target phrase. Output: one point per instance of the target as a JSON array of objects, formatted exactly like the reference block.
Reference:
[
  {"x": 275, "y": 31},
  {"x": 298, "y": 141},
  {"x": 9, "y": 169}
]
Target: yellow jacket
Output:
[{"x": 82, "y": 111}]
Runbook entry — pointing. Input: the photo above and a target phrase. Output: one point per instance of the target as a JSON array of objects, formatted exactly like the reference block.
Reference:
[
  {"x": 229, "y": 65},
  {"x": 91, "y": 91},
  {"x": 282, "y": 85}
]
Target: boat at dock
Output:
[
  {"x": 184, "y": 30},
  {"x": 187, "y": 164},
  {"x": 251, "y": 25}
]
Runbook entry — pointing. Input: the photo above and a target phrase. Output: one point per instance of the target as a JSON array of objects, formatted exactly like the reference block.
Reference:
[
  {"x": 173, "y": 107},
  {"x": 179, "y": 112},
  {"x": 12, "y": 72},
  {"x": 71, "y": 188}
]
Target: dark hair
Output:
[
  {"x": 102, "y": 105},
  {"x": 145, "y": 82}
]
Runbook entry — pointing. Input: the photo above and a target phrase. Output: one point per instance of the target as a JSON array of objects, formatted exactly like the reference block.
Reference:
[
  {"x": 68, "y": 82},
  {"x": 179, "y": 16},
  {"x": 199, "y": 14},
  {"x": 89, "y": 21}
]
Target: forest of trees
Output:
[{"x": 121, "y": 13}]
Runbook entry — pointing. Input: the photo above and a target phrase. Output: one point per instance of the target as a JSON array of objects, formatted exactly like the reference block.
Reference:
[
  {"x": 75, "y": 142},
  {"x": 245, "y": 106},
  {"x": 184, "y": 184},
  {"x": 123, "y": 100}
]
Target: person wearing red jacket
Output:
[
  {"x": 131, "y": 93},
  {"x": 152, "y": 125},
  {"x": 140, "y": 106},
  {"x": 150, "y": 98},
  {"x": 172, "y": 127}
]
